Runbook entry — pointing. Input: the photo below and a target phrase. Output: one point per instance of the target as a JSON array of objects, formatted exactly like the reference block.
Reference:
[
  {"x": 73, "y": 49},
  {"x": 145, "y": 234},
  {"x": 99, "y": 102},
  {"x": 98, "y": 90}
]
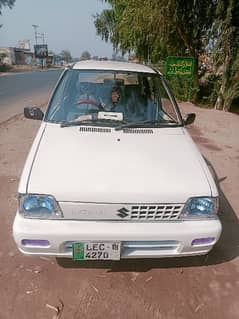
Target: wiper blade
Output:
[
  {"x": 75, "y": 123},
  {"x": 89, "y": 122},
  {"x": 142, "y": 123},
  {"x": 95, "y": 118}
]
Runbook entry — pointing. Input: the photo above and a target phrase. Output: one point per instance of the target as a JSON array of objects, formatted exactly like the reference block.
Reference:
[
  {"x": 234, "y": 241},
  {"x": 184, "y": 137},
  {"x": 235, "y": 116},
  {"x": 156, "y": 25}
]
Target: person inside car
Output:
[{"x": 115, "y": 104}]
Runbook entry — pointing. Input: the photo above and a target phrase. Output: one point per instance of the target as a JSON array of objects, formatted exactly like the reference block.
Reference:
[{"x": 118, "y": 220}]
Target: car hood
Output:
[{"x": 93, "y": 164}]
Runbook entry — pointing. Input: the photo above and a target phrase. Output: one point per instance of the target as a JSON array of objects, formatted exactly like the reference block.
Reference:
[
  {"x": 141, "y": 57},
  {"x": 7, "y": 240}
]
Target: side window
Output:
[
  {"x": 60, "y": 95},
  {"x": 166, "y": 104}
]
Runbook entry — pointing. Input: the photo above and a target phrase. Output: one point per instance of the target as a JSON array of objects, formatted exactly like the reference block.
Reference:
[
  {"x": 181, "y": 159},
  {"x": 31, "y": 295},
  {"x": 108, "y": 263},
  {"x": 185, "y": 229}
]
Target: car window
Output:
[
  {"x": 166, "y": 107},
  {"x": 135, "y": 96},
  {"x": 60, "y": 94}
]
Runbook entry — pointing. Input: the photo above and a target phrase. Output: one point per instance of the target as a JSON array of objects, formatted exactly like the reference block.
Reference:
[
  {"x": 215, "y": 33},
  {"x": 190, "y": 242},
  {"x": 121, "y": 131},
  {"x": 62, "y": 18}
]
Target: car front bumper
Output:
[{"x": 138, "y": 239}]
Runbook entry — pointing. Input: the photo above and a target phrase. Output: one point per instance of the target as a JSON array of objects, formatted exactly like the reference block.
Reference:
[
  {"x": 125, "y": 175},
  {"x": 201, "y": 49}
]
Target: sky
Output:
[{"x": 66, "y": 24}]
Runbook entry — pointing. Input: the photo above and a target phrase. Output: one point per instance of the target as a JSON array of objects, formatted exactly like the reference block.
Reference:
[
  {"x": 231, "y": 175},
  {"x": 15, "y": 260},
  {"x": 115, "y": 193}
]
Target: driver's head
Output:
[{"x": 115, "y": 94}]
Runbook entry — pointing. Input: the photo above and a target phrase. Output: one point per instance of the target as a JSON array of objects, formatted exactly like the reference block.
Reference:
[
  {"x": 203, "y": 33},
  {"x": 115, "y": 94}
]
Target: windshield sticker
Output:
[{"x": 110, "y": 116}]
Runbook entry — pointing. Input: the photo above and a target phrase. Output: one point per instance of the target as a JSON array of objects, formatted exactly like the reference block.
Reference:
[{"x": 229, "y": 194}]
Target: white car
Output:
[{"x": 113, "y": 172}]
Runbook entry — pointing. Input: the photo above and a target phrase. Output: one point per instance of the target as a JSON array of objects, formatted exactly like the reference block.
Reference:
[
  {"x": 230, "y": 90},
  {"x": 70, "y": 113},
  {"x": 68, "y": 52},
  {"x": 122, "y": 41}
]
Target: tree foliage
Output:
[
  {"x": 85, "y": 55},
  {"x": 66, "y": 56},
  {"x": 154, "y": 29},
  {"x": 2, "y": 56},
  {"x": 6, "y": 3},
  {"x": 226, "y": 51}
]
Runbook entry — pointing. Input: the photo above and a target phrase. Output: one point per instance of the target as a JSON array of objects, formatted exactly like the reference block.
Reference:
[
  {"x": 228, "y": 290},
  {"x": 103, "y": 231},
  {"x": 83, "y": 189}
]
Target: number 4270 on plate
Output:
[{"x": 96, "y": 251}]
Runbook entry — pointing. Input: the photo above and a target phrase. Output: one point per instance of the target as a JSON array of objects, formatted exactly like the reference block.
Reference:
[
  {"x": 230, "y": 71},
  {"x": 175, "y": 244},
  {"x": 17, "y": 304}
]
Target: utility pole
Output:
[
  {"x": 35, "y": 26},
  {"x": 43, "y": 38},
  {"x": 40, "y": 36}
]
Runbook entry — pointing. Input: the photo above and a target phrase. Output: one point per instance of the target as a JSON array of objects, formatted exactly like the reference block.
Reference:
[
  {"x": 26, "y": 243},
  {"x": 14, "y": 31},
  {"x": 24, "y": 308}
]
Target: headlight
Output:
[
  {"x": 200, "y": 208},
  {"x": 39, "y": 206}
]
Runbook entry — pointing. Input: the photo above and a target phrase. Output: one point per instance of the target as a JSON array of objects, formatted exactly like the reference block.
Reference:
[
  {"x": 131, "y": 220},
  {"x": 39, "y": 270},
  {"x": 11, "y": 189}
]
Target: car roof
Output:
[{"x": 112, "y": 65}]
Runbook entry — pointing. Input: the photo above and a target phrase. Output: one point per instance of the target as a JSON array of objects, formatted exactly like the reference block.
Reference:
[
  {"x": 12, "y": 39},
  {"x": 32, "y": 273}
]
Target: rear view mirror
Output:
[
  {"x": 189, "y": 118},
  {"x": 33, "y": 113}
]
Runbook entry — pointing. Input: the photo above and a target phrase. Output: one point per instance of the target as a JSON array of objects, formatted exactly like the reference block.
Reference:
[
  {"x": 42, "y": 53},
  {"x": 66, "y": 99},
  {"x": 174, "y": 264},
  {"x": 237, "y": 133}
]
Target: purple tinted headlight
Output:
[
  {"x": 36, "y": 242},
  {"x": 203, "y": 241}
]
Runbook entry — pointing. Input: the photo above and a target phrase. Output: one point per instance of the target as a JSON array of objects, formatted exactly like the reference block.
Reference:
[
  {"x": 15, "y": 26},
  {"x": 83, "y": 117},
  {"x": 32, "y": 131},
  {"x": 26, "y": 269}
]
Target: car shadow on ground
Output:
[{"x": 225, "y": 250}]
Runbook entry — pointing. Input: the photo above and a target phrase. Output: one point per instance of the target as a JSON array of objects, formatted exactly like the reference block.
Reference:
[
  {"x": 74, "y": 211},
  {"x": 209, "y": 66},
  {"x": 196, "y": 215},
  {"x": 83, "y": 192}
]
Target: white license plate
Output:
[{"x": 96, "y": 251}]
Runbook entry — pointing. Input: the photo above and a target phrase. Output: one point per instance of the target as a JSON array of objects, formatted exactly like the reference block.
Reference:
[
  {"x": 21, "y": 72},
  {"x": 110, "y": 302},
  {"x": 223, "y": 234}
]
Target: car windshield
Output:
[{"x": 112, "y": 98}]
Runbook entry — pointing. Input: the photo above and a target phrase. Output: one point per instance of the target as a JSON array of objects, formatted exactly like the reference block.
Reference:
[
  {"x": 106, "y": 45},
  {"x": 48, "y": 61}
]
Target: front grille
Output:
[
  {"x": 150, "y": 245},
  {"x": 137, "y": 131},
  {"x": 121, "y": 212},
  {"x": 94, "y": 129},
  {"x": 155, "y": 212}
]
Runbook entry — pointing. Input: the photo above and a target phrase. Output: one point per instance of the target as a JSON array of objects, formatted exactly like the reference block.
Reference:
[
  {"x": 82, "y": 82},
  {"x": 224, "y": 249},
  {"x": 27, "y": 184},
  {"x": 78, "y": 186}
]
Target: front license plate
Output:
[{"x": 96, "y": 251}]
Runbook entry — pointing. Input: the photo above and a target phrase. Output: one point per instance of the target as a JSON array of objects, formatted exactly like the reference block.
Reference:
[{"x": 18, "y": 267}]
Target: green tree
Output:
[
  {"x": 6, "y": 3},
  {"x": 85, "y": 55},
  {"x": 2, "y": 56},
  {"x": 66, "y": 56},
  {"x": 105, "y": 24},
  {"x": 226, "y": 52},
  {"x": 154, "y": 29}
]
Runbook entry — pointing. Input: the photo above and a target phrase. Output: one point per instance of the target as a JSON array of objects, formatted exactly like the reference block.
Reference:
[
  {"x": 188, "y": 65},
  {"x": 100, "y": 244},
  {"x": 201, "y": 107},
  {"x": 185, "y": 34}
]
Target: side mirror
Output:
[
  {"x": 189, "y": 118},
  {"x": 33, "y": 113}
]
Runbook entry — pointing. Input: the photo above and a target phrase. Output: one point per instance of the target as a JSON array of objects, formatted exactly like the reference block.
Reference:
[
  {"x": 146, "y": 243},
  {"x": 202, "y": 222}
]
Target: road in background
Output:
[{"x": 25, "y": 89}]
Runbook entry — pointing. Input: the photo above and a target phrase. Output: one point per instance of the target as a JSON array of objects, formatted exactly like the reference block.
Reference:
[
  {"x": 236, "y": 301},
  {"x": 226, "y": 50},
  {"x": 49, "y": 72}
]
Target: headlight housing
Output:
[
  {"x": 39, "y": 206},
  {"x": 200, "y": 208}
]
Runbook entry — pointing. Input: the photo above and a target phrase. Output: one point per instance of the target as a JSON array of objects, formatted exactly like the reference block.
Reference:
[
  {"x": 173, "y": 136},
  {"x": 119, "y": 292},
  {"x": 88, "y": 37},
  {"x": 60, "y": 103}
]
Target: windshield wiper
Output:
[
  {"x": 142, "y": 123},
  {"x": 75, "y": 123},
  {"x": 89, "y": 122}
]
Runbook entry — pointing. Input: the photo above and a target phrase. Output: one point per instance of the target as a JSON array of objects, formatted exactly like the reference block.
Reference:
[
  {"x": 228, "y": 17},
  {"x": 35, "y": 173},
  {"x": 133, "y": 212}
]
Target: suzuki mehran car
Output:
[{"x": 113, "y": 172}]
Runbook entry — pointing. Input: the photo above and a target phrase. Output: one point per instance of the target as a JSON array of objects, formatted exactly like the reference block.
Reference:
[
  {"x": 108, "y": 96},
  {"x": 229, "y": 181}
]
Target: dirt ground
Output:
[{"x": 198, "y": 287}]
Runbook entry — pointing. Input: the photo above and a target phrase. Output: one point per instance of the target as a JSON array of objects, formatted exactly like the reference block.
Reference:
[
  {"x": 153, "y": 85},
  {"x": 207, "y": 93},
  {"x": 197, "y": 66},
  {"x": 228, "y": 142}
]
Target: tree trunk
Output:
[
  {"x": 195, "y": 81},
  {"x": 220, "y": 102},
  {"x": 227, "y": 104}
]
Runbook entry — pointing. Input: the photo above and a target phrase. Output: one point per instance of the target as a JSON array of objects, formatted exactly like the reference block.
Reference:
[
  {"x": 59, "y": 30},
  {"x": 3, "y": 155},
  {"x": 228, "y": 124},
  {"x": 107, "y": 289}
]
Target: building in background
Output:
[
  {"x": 24, "y": 44},
  {"x": 23, "y": 56},
  {"x": 16, "y": 56}
]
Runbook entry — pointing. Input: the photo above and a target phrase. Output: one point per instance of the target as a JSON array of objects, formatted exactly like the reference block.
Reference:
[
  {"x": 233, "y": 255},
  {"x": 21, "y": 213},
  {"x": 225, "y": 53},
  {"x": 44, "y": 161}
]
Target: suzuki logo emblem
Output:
[{"x": 123, "y": 212}]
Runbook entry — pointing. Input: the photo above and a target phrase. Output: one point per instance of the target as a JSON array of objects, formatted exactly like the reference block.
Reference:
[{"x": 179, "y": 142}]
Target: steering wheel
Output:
[{"x": 91, "y": 102}]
